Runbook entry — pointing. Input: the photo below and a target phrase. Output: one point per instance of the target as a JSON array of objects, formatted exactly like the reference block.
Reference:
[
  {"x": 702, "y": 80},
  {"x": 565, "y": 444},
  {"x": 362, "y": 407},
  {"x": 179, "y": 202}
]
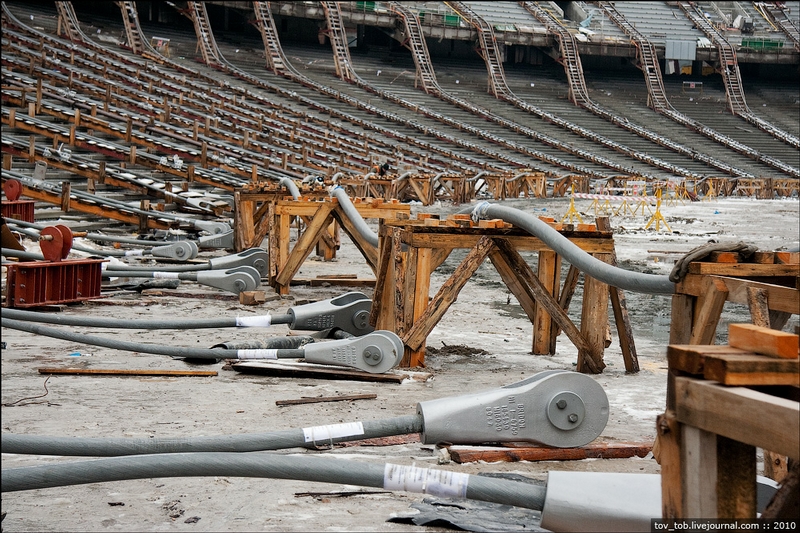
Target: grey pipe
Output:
[
  {"x": 248, "y": 442},
  {"x": 172, "y": 351},
  {"x": 291, "y": 186},
  {"x": 355, "y": 217},
  {"x": 105, "y": 322},
  {"x": 611, "y": 275},
  {"x": 263, "y": 464},
  {"x": 19, "y": 254},
  {"x": 93, "y": 236}
]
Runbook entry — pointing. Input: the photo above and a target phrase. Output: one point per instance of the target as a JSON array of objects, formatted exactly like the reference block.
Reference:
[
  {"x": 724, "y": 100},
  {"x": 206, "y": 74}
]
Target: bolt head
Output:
[
  {"x": 572, "y": 418},
  {"x": 561, "y": 404}
]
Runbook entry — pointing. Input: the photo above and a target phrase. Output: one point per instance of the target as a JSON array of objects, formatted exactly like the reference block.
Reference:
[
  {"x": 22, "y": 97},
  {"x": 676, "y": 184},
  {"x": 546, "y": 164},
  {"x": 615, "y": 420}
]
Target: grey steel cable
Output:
[
  {"x": 354, "y": 216},
  {"x": 19, "y": 254},
  {"x": 172, "y": 351},
  {"x": 611, "y": 275},
  {"x": 248, "y": 442},
  {"x": 436, "y": 482},
  {"x": 105, "y": 322},
  {"x": 94, "y": 236}
]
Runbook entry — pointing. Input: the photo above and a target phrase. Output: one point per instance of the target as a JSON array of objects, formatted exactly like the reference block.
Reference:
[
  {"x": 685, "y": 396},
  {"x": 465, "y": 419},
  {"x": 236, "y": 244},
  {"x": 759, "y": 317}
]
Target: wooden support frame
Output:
[
  {"x": 402, "y": 295},
  {"x": 708, "y": 461},
  {"x": 273, "y": 220},
  {"x": 708, "y": 436}
]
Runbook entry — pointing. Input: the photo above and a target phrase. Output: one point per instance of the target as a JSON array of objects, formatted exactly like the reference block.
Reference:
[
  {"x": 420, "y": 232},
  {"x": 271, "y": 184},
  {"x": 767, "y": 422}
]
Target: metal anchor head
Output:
[
  {"x": 557, "y": 408},
  {"x": 348, "y": 312}
]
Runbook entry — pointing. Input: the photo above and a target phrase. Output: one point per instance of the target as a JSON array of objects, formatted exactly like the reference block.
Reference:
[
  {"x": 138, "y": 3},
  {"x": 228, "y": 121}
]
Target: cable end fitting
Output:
[{"x": 479, "y": 212}]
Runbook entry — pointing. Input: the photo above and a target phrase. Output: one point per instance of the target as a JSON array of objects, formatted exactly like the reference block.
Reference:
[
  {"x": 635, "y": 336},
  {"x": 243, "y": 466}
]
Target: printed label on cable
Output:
[
  {"x": 332, "y": 431},
  {"x": 427, "y": 481},
  {"x": 166, "y": 275},
  {"x": 253, "y": 321},
  {"x": 259, "y": 353},
  {"x": 134, "y": 252}
]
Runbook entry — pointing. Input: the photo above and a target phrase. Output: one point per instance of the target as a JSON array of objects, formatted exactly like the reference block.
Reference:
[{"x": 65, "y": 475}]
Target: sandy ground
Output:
[{"x": 485, "y": 317}]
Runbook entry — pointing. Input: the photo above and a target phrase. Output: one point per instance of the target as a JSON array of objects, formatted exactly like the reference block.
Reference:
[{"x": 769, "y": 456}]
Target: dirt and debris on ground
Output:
[{"x": 483, "y": 342}]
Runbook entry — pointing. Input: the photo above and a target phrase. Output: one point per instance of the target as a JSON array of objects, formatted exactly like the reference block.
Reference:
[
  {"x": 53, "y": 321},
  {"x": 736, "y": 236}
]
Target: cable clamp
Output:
[{"x": 480, "y": 211}]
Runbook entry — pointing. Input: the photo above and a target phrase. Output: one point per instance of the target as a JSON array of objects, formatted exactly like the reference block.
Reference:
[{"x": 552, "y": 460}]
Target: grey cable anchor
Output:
[
  {"x": 180, "y": 250},
  {"x": 234, "y": 280},
  {"x": 558, "y": 408},
  {"x": 475, "y": 418},
  {"x": 348, "y": 313},
  {"x": 375, "y": 352},
  {"x": 253, "y": 257}
]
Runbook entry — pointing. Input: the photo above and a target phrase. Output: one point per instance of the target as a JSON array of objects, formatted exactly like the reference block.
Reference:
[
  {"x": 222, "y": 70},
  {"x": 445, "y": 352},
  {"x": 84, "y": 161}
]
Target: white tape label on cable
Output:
[
  {"x": 427, "y": 481},
  {"x": 130, "y": 253},
  {"x": 253, "y": 321},
  {"x": 332, "y": 431},
  {"x": 166, "y": 275},
  {"x": 259, "y": 353}
]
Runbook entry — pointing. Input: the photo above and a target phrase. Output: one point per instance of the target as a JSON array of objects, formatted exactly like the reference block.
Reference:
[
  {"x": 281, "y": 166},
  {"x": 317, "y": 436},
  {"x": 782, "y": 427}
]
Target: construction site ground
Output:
[{"x": 483, "y": 341}]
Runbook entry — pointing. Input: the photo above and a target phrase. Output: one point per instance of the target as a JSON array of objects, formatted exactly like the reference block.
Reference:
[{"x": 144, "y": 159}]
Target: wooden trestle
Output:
[
  {"x": 410, "y": 250},
  {"x": 725, "y": 401},
  {"x": 270, "y": 215}
]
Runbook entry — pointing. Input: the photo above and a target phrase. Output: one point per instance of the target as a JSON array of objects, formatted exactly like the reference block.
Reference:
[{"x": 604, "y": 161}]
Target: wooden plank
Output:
[
  {"x": 418, "y": 280},
  {"x": 741, "y": 414},
  {"x": 619, "y": 307},
  {"x": 427, "y": 315},
  {"x": 542, "y": 322},
  {"x": 763, "y": 340},
  {"x": 522, "y": 243},
  {"x": 682, "y": 310},
  {"x": 244, "y": 234},
  {"x": 691, "y": 358},
  {"x": 779, "y": 298},
  {"x": 709, "y": 308},
  {"x": 305, "y": 370},
  {"x": 736, "y": 479},
  {"x": 400, "y": 299},
  {"x": 724, "y": 257},
  {"x": 600, "y": 450},
  {"x": 788, "y": 258},
  {"x": 698, "y": 472},
  {"x": 126, "y": 372},
  {"x": 565, "y": 298},
  {"x": 554, "y": 329},
  {"x": 324, "y": 399},
  {"x": 667, "y": 452},
  {"x": 759, "y": 308},
  {"x": 594, "y": 319},
  {"x": 382, "y": 276},
  {"x": 743, "y": 269},
  {"x": 751, "y": 369},
  {"x": 765, "y": 258}
]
